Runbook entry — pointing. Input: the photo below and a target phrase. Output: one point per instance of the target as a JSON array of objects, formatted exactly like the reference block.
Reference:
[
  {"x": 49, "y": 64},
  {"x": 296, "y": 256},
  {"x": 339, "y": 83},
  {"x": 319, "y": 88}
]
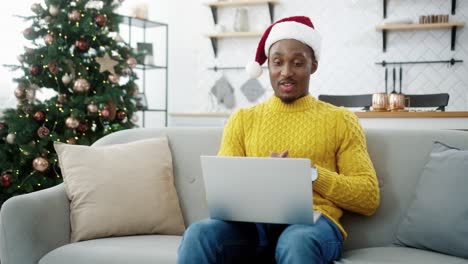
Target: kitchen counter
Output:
[
  {"x": 405, "y": 120},
  {"x": 411, "y": 114}
]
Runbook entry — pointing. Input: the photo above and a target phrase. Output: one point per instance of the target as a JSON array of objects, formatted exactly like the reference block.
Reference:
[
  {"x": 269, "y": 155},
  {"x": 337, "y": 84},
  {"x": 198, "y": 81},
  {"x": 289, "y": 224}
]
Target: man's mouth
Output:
[{"x": 287, "y": 86}]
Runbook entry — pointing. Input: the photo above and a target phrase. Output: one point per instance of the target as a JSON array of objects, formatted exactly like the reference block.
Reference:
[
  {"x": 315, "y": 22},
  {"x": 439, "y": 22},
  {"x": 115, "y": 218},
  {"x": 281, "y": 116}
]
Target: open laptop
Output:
[{"x": 260, "y": 190}]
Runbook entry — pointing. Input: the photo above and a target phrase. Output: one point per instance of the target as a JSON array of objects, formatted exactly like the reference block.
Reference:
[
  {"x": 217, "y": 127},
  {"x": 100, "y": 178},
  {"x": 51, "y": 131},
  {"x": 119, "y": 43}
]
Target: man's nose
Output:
[{"x": 286, "y": 70}]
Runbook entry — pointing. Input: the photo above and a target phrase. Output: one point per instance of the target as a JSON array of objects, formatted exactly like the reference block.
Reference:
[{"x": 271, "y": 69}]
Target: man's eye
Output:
[
  {"x": 298, "y": 64},
  {"x": 276, "y": 62}
]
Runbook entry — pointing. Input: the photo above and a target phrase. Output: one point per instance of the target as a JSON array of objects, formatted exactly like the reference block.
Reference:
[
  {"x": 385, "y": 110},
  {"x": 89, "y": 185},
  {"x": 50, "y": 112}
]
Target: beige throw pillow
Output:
[{"x": 123, "y": 189}]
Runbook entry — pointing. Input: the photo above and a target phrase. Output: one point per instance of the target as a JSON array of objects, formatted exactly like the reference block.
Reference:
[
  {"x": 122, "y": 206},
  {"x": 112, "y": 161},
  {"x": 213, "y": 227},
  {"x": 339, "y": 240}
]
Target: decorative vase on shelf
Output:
[{"x": 241, "y": 20}]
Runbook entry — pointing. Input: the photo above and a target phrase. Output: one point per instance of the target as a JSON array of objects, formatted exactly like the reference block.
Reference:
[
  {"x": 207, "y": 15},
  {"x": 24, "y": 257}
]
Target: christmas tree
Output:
[{"x": 76, "y": 51}]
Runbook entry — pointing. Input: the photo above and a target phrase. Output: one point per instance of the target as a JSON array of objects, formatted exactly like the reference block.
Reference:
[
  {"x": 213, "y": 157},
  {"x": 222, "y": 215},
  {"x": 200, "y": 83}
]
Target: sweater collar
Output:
[{"x": 302, "y": 104}]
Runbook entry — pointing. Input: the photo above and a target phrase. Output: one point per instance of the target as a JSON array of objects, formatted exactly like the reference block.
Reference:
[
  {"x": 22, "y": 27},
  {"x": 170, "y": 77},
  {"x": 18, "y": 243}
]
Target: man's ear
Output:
[{"x": 314, "y": 66}]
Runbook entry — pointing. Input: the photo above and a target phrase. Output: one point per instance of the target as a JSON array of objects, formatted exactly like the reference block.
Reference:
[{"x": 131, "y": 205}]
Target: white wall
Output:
[
  {"x": 351, "y": 46},
  {"x": 11, "y": 46}
]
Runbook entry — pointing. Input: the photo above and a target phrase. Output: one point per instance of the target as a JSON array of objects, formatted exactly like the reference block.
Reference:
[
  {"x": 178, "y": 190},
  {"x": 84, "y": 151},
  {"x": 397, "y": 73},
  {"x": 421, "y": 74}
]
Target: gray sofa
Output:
[{"x": 35, "y": 228}]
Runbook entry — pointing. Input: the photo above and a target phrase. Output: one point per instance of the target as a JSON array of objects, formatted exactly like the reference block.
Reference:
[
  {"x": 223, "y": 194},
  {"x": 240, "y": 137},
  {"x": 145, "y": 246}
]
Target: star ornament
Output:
[{"x": 106, "y": 63}]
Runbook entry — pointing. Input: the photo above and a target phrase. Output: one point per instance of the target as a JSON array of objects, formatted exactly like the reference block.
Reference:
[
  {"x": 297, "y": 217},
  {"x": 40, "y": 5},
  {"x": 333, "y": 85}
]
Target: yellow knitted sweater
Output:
[{"x": 331, "y": 137}]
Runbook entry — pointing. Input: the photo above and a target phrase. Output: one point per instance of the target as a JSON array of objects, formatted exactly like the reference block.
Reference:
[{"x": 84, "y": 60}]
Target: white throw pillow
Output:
[{"x": 122, "y": 189}]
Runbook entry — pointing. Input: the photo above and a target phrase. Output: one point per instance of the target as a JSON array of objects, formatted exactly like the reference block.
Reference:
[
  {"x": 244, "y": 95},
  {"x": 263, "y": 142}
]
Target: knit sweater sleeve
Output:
[
  {"x": 355, "y": 186},
  {"x": 233, "y": 143}
]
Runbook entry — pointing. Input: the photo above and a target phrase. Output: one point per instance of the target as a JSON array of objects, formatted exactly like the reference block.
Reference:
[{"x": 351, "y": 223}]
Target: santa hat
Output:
[{"x": 296, "y": 27}]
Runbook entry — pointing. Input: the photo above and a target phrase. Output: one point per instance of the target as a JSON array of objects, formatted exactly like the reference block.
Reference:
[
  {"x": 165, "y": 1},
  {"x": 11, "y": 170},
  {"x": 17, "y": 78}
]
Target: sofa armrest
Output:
[{"x": 31, "y": 225}]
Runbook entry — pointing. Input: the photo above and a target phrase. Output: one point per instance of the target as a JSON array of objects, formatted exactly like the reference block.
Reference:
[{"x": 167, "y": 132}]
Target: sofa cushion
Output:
[
  {"x": 436, "y": 219},
  {"x": 389, "y": 255},
  {"x": 122, "y": 189},
  {"x": 148, "y": 249}
]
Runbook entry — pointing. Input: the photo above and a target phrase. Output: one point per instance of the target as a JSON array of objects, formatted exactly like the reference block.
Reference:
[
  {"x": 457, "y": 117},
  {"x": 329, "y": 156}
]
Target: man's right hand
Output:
[{"x": 283, "y": 154}]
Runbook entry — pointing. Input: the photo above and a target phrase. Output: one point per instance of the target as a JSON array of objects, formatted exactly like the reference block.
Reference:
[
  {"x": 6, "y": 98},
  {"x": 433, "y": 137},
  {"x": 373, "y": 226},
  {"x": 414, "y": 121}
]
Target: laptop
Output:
[{"x": 259, "y": 189}]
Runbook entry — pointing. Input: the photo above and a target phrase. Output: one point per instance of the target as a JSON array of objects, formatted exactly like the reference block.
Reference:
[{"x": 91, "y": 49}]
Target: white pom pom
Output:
[{"x": 253, "y": 69}]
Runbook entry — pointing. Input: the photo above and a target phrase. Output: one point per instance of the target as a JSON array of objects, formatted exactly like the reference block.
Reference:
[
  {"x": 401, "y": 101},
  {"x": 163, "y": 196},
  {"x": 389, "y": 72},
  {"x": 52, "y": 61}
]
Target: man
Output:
[{"x": 291, "y": 124}]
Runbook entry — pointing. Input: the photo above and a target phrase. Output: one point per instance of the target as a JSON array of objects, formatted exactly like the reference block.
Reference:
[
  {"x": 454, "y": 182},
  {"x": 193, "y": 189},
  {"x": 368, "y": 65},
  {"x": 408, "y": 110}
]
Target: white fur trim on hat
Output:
[
  {"x": 297, "y": 31},
  {"x": 253, "y": 69}
]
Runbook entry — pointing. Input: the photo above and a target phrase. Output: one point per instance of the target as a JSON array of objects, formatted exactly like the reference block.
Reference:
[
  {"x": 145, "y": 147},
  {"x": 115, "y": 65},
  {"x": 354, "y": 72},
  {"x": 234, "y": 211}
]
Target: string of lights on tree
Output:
[{"x": 75, "y": 50}]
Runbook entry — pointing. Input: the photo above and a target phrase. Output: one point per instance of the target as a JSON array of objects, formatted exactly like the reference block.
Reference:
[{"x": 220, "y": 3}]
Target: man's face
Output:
[{"x": 290, "y": 63}]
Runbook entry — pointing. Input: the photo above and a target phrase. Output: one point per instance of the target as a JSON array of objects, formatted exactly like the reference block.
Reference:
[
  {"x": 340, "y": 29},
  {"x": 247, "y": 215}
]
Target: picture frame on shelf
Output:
[
  {"x": 145, "y": 51},
  {"x": 141, "y": 102}
]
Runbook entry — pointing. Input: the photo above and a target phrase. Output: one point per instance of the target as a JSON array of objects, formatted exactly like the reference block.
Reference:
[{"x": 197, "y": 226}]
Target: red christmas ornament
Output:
[
  {"x": 2, "y": 125},
  {"x": 82, "y": 45},
  {"x": 101, "y": 20},
  {"x": 6, "y": 176},
  {"x": 105, "y": 113},
  {"x": 121, "y": 115},
  {"x": 39, "y": 116},
  {"x": 82, "y": 128},
  {"x": 35, "y": 70}
]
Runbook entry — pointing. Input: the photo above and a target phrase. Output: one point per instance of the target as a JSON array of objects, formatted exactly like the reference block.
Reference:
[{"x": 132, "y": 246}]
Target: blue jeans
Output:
[{"x": 216, "y": 241}]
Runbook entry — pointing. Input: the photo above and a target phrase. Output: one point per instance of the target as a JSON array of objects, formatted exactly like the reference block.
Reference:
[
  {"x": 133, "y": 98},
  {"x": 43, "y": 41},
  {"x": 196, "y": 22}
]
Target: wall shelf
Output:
[
  {"x": 385, "y": 2},
  {"x": 404, "y": 27},
  {"x": 215, "y": 36},
  {"x": 215, "y": 5}
]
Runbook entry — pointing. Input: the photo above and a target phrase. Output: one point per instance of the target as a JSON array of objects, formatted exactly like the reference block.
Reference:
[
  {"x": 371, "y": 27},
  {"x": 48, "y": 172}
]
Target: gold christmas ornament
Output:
[
  {"x": 106, "y": 63},
  {"x": 48, "y": 19},
  {"x": 53, "y": 67},
  {"x": 11, "y": 138},
  {"x": 74, "y": 16},
  {"x": 126, "y": 71},
  {"x": 72, "y": 122},
  {"x": 31, "y": 94},
  {"x": 66, "y": 79},
  {"x": 114, "y": 78},
  {"x": 61, "y": 98},
  {"x": 36, "y": 8},
  {"x": 20, "y": 92},
  {"x": 40, "y": 164},
  {"x": 131, "y": 62},
  {"x": 118, "y": 38},
  {"x": 54, "y": 10},
  {"x": 43, "y": 132},
  {"x": 92, "y": 108},
  {"x": 49, "y": 39},
  {"x": 71, "y": 141},
  {"x": 20, "y": 58},
  {"x": 134, "y": 90},
  {"x": 81, "y": 85}
]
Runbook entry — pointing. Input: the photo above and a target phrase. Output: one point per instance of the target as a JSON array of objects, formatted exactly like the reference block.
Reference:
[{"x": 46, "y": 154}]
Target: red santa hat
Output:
[{"x": 296, "y": 27}]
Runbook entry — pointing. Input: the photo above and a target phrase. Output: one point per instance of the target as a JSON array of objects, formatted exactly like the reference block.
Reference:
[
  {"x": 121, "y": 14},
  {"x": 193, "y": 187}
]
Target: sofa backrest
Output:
[
  {"x": 187, "y": 145},
  {"x": 398, "y": 157}
]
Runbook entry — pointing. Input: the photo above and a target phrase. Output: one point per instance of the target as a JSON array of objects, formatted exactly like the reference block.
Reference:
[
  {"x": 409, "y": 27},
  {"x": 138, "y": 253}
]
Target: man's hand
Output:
[{"x": 283, "y": 154}]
